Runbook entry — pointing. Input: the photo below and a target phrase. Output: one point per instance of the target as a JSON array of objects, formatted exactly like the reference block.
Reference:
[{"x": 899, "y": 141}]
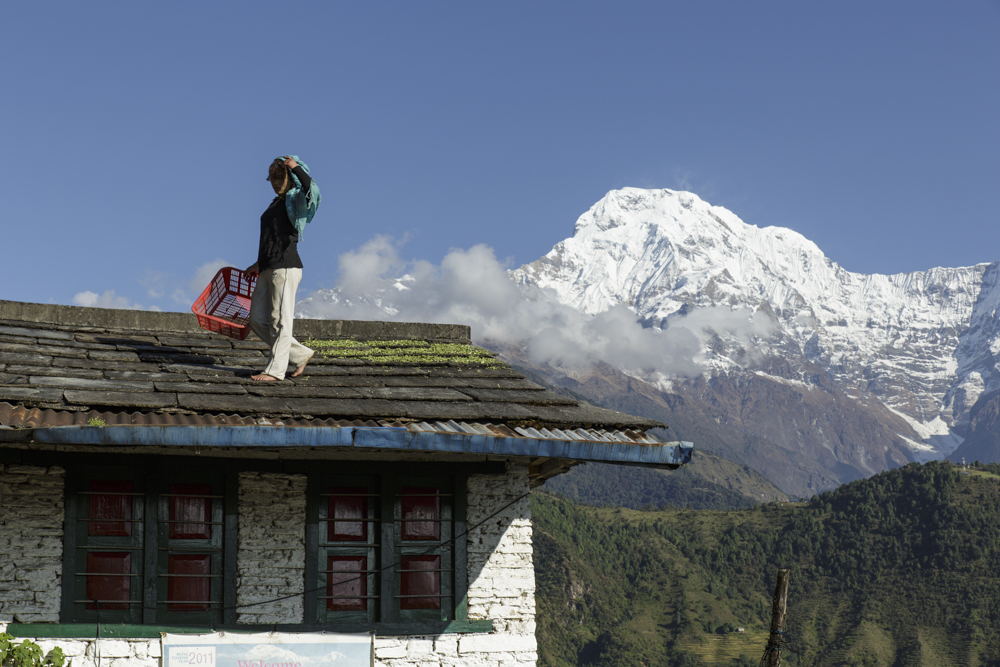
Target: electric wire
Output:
[
  {"x": 405, "y": 559},
  {"x": 97, "y": 643},
  {"x": 391, "y": 565},
  {"x": 772, "y": 652}
]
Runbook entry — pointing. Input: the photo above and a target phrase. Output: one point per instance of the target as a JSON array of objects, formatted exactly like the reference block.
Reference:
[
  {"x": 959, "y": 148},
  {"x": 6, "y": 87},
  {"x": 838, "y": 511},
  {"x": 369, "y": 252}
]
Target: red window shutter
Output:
[
  {"x": 415, "y": 579},
  {"x": 421, "y": 507},
  {"x": 197, "y": 510},
  {"x": 105, "y": 588},
  {"x": 110, "y": 508},
  {"x": 350, "y": 580},
  {"x": 191, "y": 592},
  {"x": 347, "y": 514}
]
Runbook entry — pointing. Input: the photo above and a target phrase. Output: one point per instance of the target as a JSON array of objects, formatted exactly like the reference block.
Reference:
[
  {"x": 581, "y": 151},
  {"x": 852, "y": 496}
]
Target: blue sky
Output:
[{"x": 137, "y": 135}]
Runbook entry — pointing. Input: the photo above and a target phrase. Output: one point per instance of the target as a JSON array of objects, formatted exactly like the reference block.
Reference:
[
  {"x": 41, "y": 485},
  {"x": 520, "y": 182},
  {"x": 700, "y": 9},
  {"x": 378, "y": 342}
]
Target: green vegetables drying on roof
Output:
[{"x": 405, "y": 352}]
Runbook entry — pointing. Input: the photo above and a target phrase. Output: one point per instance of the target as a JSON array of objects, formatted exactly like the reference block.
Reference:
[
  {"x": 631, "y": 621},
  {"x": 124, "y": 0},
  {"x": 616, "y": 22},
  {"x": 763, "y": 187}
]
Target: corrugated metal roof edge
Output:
[
  {"x": 21, "y": 416},
  {"x": 374, "y": 438}
]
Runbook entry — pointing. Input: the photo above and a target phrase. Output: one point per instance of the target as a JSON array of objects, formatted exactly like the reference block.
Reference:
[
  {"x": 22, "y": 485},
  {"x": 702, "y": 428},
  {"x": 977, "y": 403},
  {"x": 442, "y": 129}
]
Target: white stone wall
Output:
[
  {"x": 31, "y": 531},
  {"x": 271, "y": 562},
  {"x": 442, "y": 651},
  {"x": 501, "y": 570},
  {"x": 271, "y": 558},
  {"x": 501, "y": 586},
  {"x": 112, "y": 652},
  {"x": 493, "y": 650}
]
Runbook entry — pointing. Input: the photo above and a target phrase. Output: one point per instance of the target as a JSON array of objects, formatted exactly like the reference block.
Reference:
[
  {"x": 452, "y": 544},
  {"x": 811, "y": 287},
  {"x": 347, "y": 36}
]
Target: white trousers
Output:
[{"x": 272, "y": 309}]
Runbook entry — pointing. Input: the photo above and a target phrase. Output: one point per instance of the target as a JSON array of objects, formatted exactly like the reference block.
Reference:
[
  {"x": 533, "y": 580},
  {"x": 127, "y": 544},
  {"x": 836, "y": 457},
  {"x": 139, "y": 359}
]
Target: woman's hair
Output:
[{"x": 277, "y": 173}]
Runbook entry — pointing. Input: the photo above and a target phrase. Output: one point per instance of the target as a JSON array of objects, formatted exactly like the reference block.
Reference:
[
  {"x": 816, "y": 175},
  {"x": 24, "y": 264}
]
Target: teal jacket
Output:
[{"x": 301, "y": 206}]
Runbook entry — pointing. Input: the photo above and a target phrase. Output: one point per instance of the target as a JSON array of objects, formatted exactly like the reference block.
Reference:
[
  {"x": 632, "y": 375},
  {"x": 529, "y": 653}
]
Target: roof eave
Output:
[{"x": 668, "y": 455}]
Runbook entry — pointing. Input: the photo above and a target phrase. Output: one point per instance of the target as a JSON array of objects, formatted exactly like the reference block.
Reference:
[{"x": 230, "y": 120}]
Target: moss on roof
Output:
[{"x": 390, "y": 352}]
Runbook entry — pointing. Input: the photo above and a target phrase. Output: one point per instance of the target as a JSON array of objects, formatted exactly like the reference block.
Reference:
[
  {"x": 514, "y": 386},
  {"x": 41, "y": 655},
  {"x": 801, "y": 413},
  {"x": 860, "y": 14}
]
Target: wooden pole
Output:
[{"x": 772, "y": 654}]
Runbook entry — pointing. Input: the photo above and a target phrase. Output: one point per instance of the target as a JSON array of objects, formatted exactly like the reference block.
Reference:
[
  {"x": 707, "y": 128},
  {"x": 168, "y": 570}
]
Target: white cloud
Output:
[
  {"x": 154, "y": 281},
  {"x": 204, "y": 274},
  {"x": 472, "y": 287},
  {"x": 107, "y": 300},
  {"x": 361, "y": 268},
  {"x": 86, "y": 299},
  {"x": 182, "y": 295},
  {"x": 159, "y": 286},
  {"x": 182, "y": 298}
]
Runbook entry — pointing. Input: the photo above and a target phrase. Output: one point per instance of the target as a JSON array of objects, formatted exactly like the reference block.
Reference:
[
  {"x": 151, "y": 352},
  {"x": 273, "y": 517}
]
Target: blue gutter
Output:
[{"x": 383, "y": 438}]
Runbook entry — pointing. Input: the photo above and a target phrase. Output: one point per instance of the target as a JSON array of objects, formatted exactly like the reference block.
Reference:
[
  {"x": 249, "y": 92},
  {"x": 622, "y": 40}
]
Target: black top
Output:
[{"x": 279, "y": 240}]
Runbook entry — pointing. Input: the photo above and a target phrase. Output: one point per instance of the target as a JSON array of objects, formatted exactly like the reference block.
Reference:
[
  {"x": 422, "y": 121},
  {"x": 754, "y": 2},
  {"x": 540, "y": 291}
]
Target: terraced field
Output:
[{"x": 723, "y": 649}]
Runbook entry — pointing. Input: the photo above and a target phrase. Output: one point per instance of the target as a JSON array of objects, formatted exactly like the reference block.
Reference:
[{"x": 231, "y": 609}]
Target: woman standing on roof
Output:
[{"x": 278, "y": 267}]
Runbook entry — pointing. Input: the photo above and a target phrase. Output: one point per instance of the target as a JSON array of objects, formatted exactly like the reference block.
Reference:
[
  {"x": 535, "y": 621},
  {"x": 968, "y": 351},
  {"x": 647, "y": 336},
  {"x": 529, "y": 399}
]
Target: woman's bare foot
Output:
[
  {"x": 263, "y": 377},
  {"x": 298, "y": 371}
]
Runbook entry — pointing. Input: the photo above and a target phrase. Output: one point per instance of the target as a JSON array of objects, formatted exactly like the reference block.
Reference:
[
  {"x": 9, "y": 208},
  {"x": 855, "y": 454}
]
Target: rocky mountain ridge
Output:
[{"x": 923, "y": 344}]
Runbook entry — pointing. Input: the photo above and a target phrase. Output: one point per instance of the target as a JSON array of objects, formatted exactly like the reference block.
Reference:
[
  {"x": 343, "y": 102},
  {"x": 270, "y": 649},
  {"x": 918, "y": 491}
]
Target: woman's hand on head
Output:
[{"x": 290, "y": 163}]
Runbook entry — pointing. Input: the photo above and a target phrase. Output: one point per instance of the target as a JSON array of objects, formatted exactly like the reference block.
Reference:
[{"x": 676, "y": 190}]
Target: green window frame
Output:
[
  {"x": 157, "y": 544},
  {"x": 410, "y": 555}
]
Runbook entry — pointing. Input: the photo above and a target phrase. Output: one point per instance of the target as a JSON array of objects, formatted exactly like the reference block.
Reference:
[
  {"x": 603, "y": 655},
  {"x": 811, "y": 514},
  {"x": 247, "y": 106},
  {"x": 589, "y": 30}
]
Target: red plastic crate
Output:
[{"x": 224, "y": 306}]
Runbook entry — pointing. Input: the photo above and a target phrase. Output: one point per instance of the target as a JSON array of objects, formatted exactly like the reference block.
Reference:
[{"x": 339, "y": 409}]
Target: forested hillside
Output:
[{"x": 902, "y": 568}]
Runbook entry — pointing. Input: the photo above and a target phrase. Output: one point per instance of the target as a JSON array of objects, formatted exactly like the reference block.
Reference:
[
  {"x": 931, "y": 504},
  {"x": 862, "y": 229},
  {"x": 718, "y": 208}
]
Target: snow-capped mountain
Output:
[
  {"x": 810, "y": 373},
  {"x": 924, "y": 343}
]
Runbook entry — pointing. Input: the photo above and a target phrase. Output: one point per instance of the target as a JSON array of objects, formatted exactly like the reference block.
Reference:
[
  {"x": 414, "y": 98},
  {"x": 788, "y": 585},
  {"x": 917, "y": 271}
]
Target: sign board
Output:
[{"x": 267, "y": 649}]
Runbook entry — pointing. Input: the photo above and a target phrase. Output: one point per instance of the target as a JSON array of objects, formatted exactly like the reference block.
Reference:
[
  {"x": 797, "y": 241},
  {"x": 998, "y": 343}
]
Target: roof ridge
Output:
[{"x": 161, "y": 322}]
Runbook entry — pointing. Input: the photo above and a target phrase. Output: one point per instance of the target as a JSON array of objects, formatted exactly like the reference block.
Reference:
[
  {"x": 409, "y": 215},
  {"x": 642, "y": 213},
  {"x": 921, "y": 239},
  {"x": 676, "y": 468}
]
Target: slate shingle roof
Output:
[{"x": 65, "y": 362}]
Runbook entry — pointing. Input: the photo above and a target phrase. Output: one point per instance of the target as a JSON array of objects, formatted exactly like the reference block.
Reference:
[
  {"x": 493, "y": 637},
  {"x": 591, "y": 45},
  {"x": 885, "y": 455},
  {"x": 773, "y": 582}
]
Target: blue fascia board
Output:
[{"x": 366, "y": 438}]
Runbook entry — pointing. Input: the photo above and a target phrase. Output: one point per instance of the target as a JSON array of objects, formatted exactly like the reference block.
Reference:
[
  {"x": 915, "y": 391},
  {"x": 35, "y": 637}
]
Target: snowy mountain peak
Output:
[
  {"x": 908, "y": 338},
  {"x": 683, "y": 216},
  {"x": 682, "y": 244}
]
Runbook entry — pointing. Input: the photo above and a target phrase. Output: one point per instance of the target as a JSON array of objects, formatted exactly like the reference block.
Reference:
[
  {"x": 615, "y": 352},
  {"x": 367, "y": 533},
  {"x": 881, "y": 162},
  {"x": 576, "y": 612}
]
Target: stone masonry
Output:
[
  {"x": 501, "y": 570},
  {"x": 271, "y": 562},
  {"x": 112, "y": 652},
  {"x": 31, "y": 531},
  {"x": 501, "y": 586},
  {"x": 271, "y": 558}
]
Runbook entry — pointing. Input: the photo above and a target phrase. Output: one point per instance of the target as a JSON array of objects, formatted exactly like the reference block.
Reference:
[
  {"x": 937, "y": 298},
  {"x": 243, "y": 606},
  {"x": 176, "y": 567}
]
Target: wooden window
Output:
[
  {"x": 103, "y": 559},
  {"x": 108, "y": 580},
  {"x": 110, "y": 507},
  {"x": 423, "y": 584},
  {"x": 189, "y": 584},
  {"x": 346, "y": 583},
  {"x": 348, "y": 550},
  {"x": 381, "y": 550},
  {"x": 189, "y": 577},
  {"x": 190, "y": 511},
  {"x": 421, "y": 510},
  {"x": 420, "y": 582},
  {"x": 154, "y": 542},
  {"x": 347, "y": 515},
  {"x": 146, "y": 546}
]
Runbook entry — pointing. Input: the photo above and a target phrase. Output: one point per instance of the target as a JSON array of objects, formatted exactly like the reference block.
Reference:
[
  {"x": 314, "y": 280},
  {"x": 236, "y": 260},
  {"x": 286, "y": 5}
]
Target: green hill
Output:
[{"x": 902, "y": 568}]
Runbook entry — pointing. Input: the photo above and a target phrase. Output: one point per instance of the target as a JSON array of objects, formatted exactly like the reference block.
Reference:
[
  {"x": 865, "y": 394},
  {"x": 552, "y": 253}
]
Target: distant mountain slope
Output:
[
  {"x": 708, "y": 482},
  {"x": 897, "y": 569},
  {"x": 779, "y": 429},
  {"x": 983, "y": 442}
]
